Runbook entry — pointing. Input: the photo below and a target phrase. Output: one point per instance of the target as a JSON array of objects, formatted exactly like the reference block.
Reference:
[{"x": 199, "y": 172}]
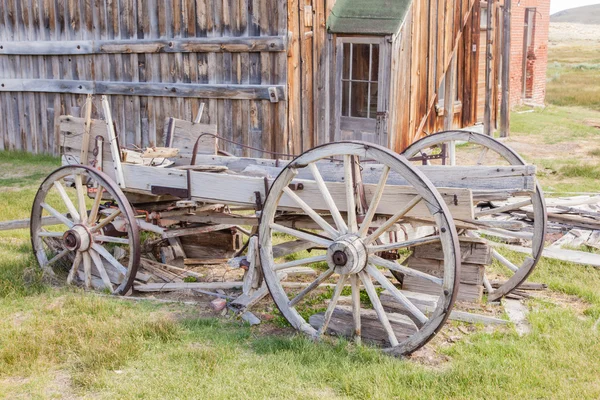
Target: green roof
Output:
[{"x": 372, "y": 17}]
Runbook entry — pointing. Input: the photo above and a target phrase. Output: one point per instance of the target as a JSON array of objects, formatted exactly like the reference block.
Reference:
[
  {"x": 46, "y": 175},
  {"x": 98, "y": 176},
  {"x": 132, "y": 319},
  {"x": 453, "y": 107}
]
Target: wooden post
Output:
[
  {"x": 85, "y": 143},
  {"x": 114, "y": 147},
  {"x": 487, "y": 116},
  {"x": 449, "y": 99},
  {"x": 506, "y": 42}
]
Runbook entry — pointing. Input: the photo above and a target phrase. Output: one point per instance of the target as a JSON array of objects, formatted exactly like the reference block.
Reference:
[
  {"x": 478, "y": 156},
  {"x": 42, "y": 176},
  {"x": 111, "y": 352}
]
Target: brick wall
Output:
[{"x": 537, "y": 54}]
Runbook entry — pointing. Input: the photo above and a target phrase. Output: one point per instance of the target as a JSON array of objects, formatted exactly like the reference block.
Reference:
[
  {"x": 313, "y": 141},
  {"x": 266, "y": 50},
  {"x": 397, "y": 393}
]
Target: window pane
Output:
[
  {"x": 360, "y": 61},
  {"x": 345, "y": 97},
  {"x": 483, "y": 18},
  {"x": 375, "y": 66},
  {"x": 374, "y": 94},
  {"x": 346, "y": 61},
  {"x": 360, "y": 96}
]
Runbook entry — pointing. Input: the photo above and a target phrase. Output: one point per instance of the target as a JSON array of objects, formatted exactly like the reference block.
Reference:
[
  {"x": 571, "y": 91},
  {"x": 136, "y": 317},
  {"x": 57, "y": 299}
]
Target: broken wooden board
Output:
[{"x": 183, "y": 135}]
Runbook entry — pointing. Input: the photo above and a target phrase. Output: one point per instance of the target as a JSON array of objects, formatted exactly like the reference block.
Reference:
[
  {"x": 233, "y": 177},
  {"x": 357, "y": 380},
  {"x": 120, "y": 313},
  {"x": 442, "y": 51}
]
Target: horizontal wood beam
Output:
[
  {"x": 188, "y": 45},
  {"x": 155, "y": 89}
]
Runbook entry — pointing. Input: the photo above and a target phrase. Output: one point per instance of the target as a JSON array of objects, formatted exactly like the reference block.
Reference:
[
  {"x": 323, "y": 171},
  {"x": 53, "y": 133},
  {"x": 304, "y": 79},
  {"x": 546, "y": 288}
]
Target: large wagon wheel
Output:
[
  {"x": 83, "y": 230},
  {"x": 351, "y": 252},
  {"x": 484, "y": 150}
]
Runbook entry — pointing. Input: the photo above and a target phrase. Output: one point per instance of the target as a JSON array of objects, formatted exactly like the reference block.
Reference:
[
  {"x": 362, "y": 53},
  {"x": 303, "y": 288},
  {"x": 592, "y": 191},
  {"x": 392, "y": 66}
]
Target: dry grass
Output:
[{"x": 574, "y": 66}]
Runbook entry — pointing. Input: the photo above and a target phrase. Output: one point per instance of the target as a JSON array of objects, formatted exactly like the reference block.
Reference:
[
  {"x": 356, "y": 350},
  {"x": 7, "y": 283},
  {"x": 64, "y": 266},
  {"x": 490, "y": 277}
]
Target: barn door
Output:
[{"x": 361, "y": 99}]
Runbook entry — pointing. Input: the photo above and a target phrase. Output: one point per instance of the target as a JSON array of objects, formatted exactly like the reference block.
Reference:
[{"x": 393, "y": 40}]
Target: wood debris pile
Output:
[{"x": 573, "y": 228}]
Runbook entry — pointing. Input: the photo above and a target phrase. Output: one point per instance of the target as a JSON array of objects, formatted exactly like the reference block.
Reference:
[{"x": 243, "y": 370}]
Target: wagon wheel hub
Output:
[
  {"x": 348, "y": 254},
  {"x": 78, "y": 238}
]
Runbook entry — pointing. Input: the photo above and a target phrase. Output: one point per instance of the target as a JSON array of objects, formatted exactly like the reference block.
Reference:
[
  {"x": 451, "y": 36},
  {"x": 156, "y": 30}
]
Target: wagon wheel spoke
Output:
[
  {"x": 355, "y": 285},
  {"x": 74, "y": 268},
  {"x": 331, "y": 232},
  {"x": 403, "y": 245},
  {"x": 96, "y": 206},
  {"x": 64, "y": 220},
  {"x": 101, "y": 270},
  {"x": 108, "y": 257},
  {"x": 335, "y": 212},
  {"x": 401, "y": 298},
  {"x": 300, "y": 262},
  {"x": 394, "y": 266},
  {"x": 364, "y": 227},
  {"x": 110, "y": 218},
  {"x": 350, "y": 194},
  {"x": 331, "y": 308},
  {"x": 67, "y": 201},
  {"x": 46, "y": 234},
  {"x": 81, "y": 199},
  {"x": 482, "y": 154},
  {"x": 57, "y": 257},
  {"x": 302, "y": 235},
  {"x": 393, "y": 219},
  {"x": 111, "y": 239},
  {"x": 383, "y": 318},
  {"x": 315, "y": 284},
  {"x": 87, "y": 269},
  {"x": 502, "y": 260}
]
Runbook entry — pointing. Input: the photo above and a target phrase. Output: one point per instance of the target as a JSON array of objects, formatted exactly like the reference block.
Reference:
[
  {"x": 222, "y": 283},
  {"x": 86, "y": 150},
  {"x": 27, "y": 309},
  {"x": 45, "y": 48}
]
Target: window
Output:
[
  {"x": 483, "y": 17},
  {"x": 360, "y": 74}
]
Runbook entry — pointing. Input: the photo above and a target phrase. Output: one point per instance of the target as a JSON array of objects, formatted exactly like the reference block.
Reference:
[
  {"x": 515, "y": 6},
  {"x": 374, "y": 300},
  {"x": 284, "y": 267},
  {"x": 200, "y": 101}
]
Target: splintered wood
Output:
[{"x": 573, "y": 228}]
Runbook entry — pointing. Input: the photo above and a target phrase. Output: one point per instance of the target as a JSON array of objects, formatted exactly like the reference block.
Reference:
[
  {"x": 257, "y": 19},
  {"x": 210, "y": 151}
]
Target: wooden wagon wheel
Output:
[
  {"x": 485, "y": 150},
  {"x": 347, "y": 240},
  {"x": 83, "y": 230}
]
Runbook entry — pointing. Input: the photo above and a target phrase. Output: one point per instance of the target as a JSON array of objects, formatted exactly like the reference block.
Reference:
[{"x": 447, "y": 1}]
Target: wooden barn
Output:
[{"x": 275, "y": 75}]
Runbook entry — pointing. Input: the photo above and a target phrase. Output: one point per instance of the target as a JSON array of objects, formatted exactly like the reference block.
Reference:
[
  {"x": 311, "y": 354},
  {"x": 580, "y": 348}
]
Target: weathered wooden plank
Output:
[
  {"x": 468, "y": 293},
  {"x": 471, "y": 274},
  {"x": 222, "y": 44},
  {"x": 217, "y": 91},
  {"x": 184, "y": 135},
  {"x": 226, "y": 188},
  {"x": 472, "y": 253},
  {"x": 342, "y": 324}
]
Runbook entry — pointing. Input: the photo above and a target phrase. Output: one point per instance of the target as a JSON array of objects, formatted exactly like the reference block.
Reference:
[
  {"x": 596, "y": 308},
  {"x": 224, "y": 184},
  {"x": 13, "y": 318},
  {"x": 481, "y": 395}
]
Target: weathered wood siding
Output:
[
  {"x": 433, "y": 33},
  {"x": 310, "y": 55},
  {"x": 155, "y": 58}
]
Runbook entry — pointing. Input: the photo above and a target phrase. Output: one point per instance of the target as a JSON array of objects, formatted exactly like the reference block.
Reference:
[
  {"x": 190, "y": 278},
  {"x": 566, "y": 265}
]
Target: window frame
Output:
[{"x": 363, "y": 123}]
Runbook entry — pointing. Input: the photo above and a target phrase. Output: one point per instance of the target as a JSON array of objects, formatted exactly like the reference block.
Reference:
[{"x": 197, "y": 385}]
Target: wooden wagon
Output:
[{"x": 358, "y": 208}]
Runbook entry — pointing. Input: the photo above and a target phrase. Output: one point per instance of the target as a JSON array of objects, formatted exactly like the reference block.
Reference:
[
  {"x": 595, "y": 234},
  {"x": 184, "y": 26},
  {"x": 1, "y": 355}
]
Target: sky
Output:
[{"x": 559, "y": 5}]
